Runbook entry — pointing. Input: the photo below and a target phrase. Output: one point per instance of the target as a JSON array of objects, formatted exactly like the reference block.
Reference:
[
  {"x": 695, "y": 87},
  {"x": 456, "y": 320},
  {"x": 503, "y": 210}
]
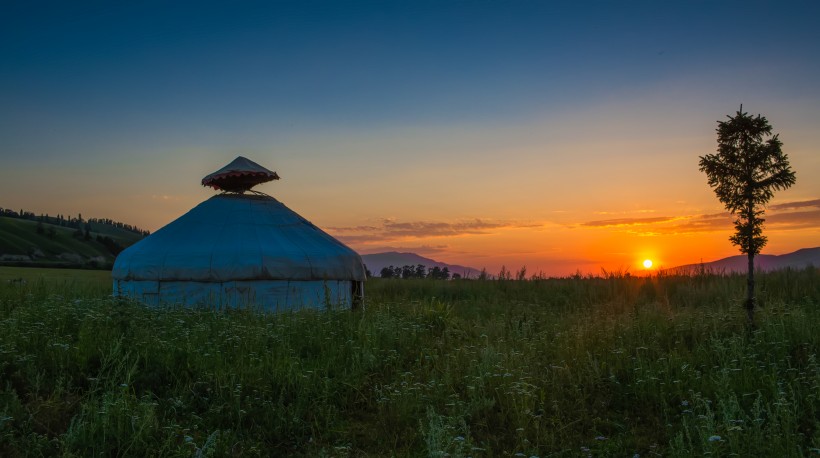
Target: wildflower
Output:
[
  {"x": 715, "y": 439},
  {"x": 600, "y": 438},
  {"x": 684, "y": 403}
]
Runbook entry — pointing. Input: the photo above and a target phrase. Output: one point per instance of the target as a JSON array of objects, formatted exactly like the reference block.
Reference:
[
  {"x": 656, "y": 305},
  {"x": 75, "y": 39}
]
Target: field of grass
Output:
[
  {"x": 78, "y": 283},
  {"x": 562, "y": 367}
]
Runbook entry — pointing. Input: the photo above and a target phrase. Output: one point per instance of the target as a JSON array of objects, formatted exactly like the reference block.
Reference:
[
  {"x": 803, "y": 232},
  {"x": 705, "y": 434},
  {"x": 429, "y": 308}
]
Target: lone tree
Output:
[{"x": 748, "y": 167}]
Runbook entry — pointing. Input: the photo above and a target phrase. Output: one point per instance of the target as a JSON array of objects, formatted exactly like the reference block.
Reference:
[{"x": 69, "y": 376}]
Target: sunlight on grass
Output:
[{"x": 569, "y": 367}]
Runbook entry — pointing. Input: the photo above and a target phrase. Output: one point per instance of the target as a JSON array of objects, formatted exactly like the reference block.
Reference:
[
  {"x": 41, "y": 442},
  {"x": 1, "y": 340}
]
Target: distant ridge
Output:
[
  {"x": 799, "y": 259},
  {"x": 377, "y": 261}
]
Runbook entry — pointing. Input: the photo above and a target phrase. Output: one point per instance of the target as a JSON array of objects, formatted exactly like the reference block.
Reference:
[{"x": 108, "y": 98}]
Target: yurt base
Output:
[{"x": 273, "y": 295}]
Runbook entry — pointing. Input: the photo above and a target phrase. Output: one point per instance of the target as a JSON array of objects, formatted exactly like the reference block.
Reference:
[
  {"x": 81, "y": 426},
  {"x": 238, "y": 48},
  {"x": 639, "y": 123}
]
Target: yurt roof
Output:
[
  {"x": 239, "y": 237},
  {"x": 236, "y": 236}
]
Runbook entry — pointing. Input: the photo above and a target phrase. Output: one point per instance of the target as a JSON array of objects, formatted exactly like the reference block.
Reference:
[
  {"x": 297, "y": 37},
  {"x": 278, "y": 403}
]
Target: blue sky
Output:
[
  {"x": 150, "y": 70},
  {"x": 384, "y": 97}
]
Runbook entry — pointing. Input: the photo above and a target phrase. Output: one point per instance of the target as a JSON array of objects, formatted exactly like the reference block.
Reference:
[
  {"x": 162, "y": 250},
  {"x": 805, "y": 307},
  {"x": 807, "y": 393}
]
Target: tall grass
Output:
[{"x": 612, "y": 366}]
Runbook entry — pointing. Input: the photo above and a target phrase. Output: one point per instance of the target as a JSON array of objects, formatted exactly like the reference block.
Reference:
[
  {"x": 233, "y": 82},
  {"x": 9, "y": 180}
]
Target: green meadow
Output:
[{"x": 577, "y": 367}]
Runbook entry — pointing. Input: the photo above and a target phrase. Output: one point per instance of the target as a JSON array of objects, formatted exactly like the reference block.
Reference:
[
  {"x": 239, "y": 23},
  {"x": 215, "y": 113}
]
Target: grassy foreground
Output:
[{"x": 572, "y": 367}]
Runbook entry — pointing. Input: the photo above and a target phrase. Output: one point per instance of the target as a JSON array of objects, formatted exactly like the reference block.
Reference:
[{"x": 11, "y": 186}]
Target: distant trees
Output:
[
  {"x": 443, "y": 273},
  {"x": 73, "y": 223},
  {"x": 387, "y": 272},
  {"x": 439, "y": 273},
  {"x": 417, "y": 271},
  {"x": 110, "y": 244},
  {"x": 746, "y": 170},
  {"x": 408, "y": 272}
]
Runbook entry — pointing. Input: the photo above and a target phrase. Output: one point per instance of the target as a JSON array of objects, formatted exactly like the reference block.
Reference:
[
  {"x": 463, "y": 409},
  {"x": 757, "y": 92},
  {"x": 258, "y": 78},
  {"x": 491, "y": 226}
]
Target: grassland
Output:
[{"x": 613, "y": 366}]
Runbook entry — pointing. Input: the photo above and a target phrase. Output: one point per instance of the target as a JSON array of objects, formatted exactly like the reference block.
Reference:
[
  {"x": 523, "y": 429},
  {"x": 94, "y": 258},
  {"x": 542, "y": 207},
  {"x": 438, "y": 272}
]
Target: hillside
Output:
[
  {"x": 22, "y": 243},
  {"x": 797, "y": 260},
  {"x": 377, "y": 261}
]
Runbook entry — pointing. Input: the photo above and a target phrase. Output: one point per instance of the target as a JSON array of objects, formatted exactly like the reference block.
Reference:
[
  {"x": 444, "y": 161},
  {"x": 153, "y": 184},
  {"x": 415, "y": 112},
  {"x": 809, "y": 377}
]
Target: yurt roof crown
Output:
[{"x": 239, "y": 176}]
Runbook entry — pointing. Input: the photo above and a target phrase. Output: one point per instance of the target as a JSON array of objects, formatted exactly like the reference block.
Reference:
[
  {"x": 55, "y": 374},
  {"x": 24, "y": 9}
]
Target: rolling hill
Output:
[
  {"x": 23, "y": 244},
  {"x": 799, "y": 259}
]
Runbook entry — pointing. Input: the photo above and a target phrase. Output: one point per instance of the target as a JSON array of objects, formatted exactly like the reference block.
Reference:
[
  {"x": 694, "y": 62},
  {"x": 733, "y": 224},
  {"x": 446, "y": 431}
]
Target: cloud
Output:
[
  {"x": 627, "y": 221},
  {"x": 390, "y": 230},
  {"x": 418, "y": 249},
  {"x": 166, "y": 197},
  {"x": 797, "y": 204},
  {"x": 702, "y": 223},
  {"x": 355, "y": 239},
  {"x": 430, "y": 229},
  {"x": 794, "y": 215},
  {"x": 352, "y": 229},
  {"x": 794, "y": 220},
  {"x": 724, "y": 221}
]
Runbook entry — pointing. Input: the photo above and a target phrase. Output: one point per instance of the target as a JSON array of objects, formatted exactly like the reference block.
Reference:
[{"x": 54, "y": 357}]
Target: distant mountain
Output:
[
  {"x": 799, "y": 259},
  {"x": 377, "y": 261}
]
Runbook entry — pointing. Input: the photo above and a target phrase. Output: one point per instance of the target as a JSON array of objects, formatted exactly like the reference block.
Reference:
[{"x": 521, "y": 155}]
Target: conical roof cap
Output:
[{"x": 239, "y": 176}]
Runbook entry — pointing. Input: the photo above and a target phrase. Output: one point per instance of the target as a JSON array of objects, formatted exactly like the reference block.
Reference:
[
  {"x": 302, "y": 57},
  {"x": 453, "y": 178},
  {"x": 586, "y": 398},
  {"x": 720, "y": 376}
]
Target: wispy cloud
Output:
[
  {"x": 389, "y": 230},
  {"x": 627, "y": 221},
  {"x": 783, "y": 216},
  {"x": 166, "y": 197},
  {"x": 341, "y": 229},
  {"x": 358, "y": 239},
  {"x": 794, "y": 220},
  {"x": 434, "y": 228},
  {"x": 795, "y": 205},
  {"x": 701, "y": 223},
  {"x": 725, "y": 222},
  {"x": 418, "y": 249}
]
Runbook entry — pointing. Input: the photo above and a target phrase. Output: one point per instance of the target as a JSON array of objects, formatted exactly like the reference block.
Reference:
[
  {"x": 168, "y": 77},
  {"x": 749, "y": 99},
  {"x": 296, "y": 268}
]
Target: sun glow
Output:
[{"x": 647, "y": 264}]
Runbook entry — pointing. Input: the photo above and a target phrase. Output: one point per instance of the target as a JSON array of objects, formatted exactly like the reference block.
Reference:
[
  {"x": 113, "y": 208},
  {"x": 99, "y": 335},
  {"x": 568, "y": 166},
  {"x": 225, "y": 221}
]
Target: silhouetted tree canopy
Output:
[{"x": 746, "y": 170}]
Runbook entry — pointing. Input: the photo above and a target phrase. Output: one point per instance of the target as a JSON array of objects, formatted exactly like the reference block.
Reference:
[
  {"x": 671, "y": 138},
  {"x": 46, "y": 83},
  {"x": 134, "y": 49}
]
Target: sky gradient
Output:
[{"x": 560, "y": 136}]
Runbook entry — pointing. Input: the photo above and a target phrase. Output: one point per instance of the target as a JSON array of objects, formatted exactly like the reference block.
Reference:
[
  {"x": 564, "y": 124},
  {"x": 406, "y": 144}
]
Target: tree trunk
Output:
[{"x": 750, "y": 291}]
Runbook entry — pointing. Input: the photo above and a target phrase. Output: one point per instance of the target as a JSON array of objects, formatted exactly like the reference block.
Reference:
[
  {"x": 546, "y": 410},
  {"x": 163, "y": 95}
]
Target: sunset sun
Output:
[{"x": 647, "y": 263}]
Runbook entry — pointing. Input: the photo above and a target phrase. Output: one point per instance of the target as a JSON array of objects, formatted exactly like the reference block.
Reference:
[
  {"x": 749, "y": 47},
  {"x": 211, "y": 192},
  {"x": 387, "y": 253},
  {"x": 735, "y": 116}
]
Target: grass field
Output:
[
  {"x": 563, "y": 367},
  {"x": 76, "y": 283}
]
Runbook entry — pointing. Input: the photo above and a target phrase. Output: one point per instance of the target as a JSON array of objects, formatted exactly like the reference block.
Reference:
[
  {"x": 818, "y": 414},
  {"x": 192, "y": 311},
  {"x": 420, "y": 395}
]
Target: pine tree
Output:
[{"x": 746, "y": 170}]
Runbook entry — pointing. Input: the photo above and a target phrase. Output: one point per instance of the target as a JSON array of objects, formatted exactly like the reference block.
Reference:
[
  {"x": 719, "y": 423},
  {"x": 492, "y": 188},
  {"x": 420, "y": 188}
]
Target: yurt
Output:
[{"x": 241, "y": 248}]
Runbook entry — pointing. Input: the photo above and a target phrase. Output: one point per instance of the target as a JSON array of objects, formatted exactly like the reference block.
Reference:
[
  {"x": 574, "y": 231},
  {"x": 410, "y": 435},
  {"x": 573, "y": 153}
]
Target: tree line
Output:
[
  {"x": 418, "y": 271},
  {"x": 69, "y": 221},
  {"x": 82, "y": 233}
]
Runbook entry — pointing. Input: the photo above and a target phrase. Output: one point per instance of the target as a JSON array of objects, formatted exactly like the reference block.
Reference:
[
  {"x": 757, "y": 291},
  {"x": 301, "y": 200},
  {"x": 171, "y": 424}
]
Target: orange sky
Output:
[
  {"x": 542, "y": 195},
  {"x": 541, "y": 134}
]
